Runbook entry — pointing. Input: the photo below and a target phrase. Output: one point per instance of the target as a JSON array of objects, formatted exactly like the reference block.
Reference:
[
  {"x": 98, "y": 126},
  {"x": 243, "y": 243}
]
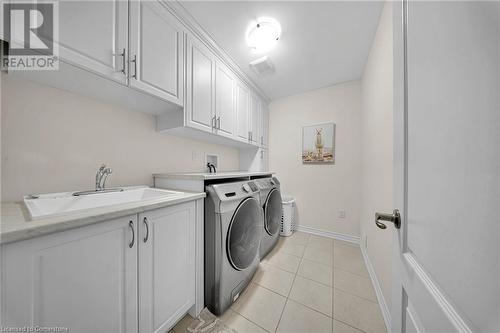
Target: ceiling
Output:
[{"x": 322, "y": 42}]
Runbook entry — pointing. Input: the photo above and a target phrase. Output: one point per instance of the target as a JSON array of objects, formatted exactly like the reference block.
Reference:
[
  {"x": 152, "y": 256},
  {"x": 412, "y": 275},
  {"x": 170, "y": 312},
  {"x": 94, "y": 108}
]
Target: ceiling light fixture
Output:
[{"x": 263, "y": 34}]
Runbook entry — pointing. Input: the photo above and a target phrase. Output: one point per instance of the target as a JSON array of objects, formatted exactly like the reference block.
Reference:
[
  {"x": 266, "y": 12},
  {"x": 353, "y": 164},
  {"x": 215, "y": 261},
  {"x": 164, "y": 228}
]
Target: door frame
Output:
[{"x": 404, "y": 262}]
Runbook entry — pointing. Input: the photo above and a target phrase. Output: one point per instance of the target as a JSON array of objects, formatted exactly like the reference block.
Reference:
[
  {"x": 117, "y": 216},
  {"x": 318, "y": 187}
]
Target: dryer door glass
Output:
[
  {"x": 273, "y": 211},
  {"x": 245, "y": 231}
]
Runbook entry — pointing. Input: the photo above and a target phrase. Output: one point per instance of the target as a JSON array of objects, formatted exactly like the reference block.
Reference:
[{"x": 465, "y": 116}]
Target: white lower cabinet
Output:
[
  {"x": 166, "y": 266},
  {"x": 123, "y": 275}
]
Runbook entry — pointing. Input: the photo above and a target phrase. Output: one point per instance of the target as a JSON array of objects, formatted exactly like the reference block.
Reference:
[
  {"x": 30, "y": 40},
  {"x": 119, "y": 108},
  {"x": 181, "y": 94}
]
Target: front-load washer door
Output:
[
  {"x": 273, "y": 211},
  {"x": 245, "y": 231}
]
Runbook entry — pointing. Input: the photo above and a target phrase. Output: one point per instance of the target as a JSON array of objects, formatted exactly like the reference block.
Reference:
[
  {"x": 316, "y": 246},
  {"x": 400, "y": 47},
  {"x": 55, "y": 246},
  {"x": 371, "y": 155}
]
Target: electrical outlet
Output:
[{"x": 342, "y": 214}]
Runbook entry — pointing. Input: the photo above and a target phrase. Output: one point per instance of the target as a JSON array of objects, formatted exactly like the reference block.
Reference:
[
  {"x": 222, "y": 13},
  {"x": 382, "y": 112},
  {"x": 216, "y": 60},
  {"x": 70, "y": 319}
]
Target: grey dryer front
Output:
[
  {"x": 233, "y": 230},
  {"x": 270, "y": 200}
]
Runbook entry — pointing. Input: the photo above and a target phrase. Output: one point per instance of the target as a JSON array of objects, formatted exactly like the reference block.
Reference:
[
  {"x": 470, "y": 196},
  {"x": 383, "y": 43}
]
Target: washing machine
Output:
[
  {"x": 233, "y": 230},
  {"x": 270, "y": 200}
]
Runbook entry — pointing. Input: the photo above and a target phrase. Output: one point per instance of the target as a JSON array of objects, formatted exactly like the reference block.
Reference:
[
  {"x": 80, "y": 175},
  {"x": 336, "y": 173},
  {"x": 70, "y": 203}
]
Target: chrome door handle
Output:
[
  {"x": 123, "y": 59},
  {"x": 131, "y": 225},
  {"x": 134, "y": 60},
  {"x": 145, "y": 221},
  {"x": 214, "y": 122},
  {"x": 218, "y": 123},
  {"x": 395, "y": 218}
]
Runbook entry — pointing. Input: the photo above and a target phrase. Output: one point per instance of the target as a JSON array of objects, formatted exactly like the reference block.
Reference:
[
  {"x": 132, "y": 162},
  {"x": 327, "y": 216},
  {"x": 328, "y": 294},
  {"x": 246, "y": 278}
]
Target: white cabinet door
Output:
[
  {"x": 83, "y": 279},
  {"x": 156, "y": 51},
  {"x": 242, "y": 111},
  {"x": 167, "y": 266},
  {"x": 200, "y": 101},
  {"x": 254, "y": 119},
  {"x": 224, "y": 100},
  {"x": 264, "y": 125},
  {"x": 93, "y": 35}
]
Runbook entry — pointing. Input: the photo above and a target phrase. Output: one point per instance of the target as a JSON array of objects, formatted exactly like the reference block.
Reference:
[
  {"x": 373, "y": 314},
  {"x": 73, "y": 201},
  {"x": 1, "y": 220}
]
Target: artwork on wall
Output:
[{"x": 318, "y": 144}]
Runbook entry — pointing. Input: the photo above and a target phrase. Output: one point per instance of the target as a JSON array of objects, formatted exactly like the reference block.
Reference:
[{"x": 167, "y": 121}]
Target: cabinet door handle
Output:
[
  {"x": 131, "y": 225},
  {"x": 134, "y": 60},
  {"x": 261, "y": 140},
  {"x": 218, "y": 122},
  {"x": 214, "y": 122},
  {"x": 145, "y": 221},
  {"x": 122, "y": 54},
  {"x": 249, "y": 136}
]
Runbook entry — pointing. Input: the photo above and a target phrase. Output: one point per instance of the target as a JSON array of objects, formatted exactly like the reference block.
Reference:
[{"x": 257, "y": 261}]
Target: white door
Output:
[
  {"x": 83, "y": 279},
  {"x": 254, "y": 118},
  {"x": 200, "y": 92},
  {"x": 242, "y": 112},
  {"x": 447, "y": 167},
  {"x": 265, "y": 125},
  {"x": 93, "y": 35},
  {"x": 224, "y": 100},
  {"x": 156, "y": 51},
  {"x": 166, "y": 266}
]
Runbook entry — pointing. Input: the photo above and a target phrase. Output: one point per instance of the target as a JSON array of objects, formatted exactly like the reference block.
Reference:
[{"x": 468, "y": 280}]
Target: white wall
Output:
[
  {"x": 320, "y": 190},
  {"x": 53, "y": 140},
  {"x": 377, "y": 148}
]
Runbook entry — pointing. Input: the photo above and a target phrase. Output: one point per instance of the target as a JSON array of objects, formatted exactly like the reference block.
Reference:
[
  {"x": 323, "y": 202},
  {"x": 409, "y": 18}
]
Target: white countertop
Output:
[
  {"x": 218, "y": 175},
  {"x": 16, "y": 225}
]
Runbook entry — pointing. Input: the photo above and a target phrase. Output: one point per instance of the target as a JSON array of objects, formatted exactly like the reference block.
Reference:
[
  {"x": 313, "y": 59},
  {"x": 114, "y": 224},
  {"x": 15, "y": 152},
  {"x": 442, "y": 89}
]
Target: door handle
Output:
[
  {"x": 134, "y": 60},
  {"x": 122, "y": 55},
  {"x": 214, "y": 122},
  {"x": 218, "y": 123},
  {"x": 145, "y": 221},
  {"x": 395, "y": 218},
  {"x": 131, "y": 225}
]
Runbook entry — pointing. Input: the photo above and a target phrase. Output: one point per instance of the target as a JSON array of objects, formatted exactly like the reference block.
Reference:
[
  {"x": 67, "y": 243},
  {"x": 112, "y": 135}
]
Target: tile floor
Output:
[{"x": 307, "y": 283}]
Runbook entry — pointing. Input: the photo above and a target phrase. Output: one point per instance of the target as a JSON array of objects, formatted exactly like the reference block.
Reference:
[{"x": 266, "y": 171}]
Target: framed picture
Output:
[{"x": 318, "y": 144}]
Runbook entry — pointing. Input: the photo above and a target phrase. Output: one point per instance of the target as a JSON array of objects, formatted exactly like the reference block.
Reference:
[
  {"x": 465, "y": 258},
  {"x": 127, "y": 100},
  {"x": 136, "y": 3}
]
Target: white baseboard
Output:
[
  {"x": 329, "y": 234},
  {"x": 386, "y": 314}
]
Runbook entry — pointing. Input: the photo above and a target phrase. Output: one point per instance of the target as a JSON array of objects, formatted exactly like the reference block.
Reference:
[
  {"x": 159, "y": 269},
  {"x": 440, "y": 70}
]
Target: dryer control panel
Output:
[{"x": 234, "y": 191}]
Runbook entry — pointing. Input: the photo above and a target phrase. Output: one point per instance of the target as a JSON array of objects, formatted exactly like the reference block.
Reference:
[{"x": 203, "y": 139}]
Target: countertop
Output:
[
  {"x": 15, "y": 224},
  {"x": 218, "y": 175}
]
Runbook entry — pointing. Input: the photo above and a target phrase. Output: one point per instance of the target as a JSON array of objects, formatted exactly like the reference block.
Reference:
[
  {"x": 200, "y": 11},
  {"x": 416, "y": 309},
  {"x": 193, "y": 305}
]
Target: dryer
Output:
[
  {"x": 270, "y": 199},
  {"x": 233, "y": 231}
]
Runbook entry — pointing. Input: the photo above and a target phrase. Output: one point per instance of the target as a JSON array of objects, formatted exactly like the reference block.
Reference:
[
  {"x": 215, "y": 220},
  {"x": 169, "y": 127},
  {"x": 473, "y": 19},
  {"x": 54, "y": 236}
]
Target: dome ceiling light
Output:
[{"x": 263, "y": 34}]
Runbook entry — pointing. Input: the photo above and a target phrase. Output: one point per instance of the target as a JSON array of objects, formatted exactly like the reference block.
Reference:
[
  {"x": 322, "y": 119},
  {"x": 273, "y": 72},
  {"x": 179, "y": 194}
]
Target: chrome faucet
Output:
[
  {"x": 101, "y": 176},
  {"x": 100, "y": 182}
]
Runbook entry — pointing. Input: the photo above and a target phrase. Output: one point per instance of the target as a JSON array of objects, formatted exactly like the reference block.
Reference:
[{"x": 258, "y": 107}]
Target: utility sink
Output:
[{"x": 47, "y": 205}]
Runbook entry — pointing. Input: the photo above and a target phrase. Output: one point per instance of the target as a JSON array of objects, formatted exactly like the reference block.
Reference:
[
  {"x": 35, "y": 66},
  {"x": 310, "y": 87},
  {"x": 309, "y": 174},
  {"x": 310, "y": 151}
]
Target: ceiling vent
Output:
[{"x": 262, "y": 66}]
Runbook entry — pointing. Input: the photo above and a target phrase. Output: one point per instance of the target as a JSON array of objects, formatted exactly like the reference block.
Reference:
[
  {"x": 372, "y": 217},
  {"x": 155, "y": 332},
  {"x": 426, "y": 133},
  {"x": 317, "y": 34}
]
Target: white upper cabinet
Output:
[
  {"x": 200, "y": 92},
  {"x": 265, "y": 125},
  {"x": 93, "y": 36},
  {"x": 254, "y": 119},
  {"x": 166, "y": 266},
  {"x": 242, "y": 111},
  {"x": 224, "y": 100},
  {"x": 156, "y": 51}
]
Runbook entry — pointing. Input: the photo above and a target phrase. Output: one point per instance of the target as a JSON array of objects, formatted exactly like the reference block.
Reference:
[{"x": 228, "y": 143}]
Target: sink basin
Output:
[{"x": 46, "y": 205}]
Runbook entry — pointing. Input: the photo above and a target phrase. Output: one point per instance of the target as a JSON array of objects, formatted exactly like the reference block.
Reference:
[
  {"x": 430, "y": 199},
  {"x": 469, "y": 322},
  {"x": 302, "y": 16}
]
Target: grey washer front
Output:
[
  {"x": 233, "y": 230},
  {"x": 270, "y": 199}
]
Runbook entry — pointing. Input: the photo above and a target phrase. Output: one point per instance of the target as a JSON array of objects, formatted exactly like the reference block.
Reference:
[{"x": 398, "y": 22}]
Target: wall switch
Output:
[{"x": 342, "y": 214}]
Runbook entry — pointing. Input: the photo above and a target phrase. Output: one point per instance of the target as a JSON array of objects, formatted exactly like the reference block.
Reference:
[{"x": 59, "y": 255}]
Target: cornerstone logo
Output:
[{"x": 31, "y": 29}]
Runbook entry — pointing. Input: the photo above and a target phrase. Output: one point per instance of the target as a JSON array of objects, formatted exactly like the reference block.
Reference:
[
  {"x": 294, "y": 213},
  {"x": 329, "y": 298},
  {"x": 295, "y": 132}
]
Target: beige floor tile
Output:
[
  {"x": 339, "y": 327},
  {"x": 317, "y": 254},
  {"x": 357, "y": 312},
  {"x": 183, "y": 324},
  {"x": 312, "y": 294},
  {"x": 316, "y": 271},
  {"x": 354, "y": 284},
  {"x": 349, "y": 259},
  {"x": 261, "y": 306},
  {"x": 321, "y": 242},
  {"x": 239, "y": 323},
  {"x": 282, "y": 260},
  {"x": 299, "y": 238},
  {"x": 273, "y": 278},
  {"x": 287, "y": 246},
  {"x": 346, "y": 246},
  {"x": 298, "y": 318}
]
